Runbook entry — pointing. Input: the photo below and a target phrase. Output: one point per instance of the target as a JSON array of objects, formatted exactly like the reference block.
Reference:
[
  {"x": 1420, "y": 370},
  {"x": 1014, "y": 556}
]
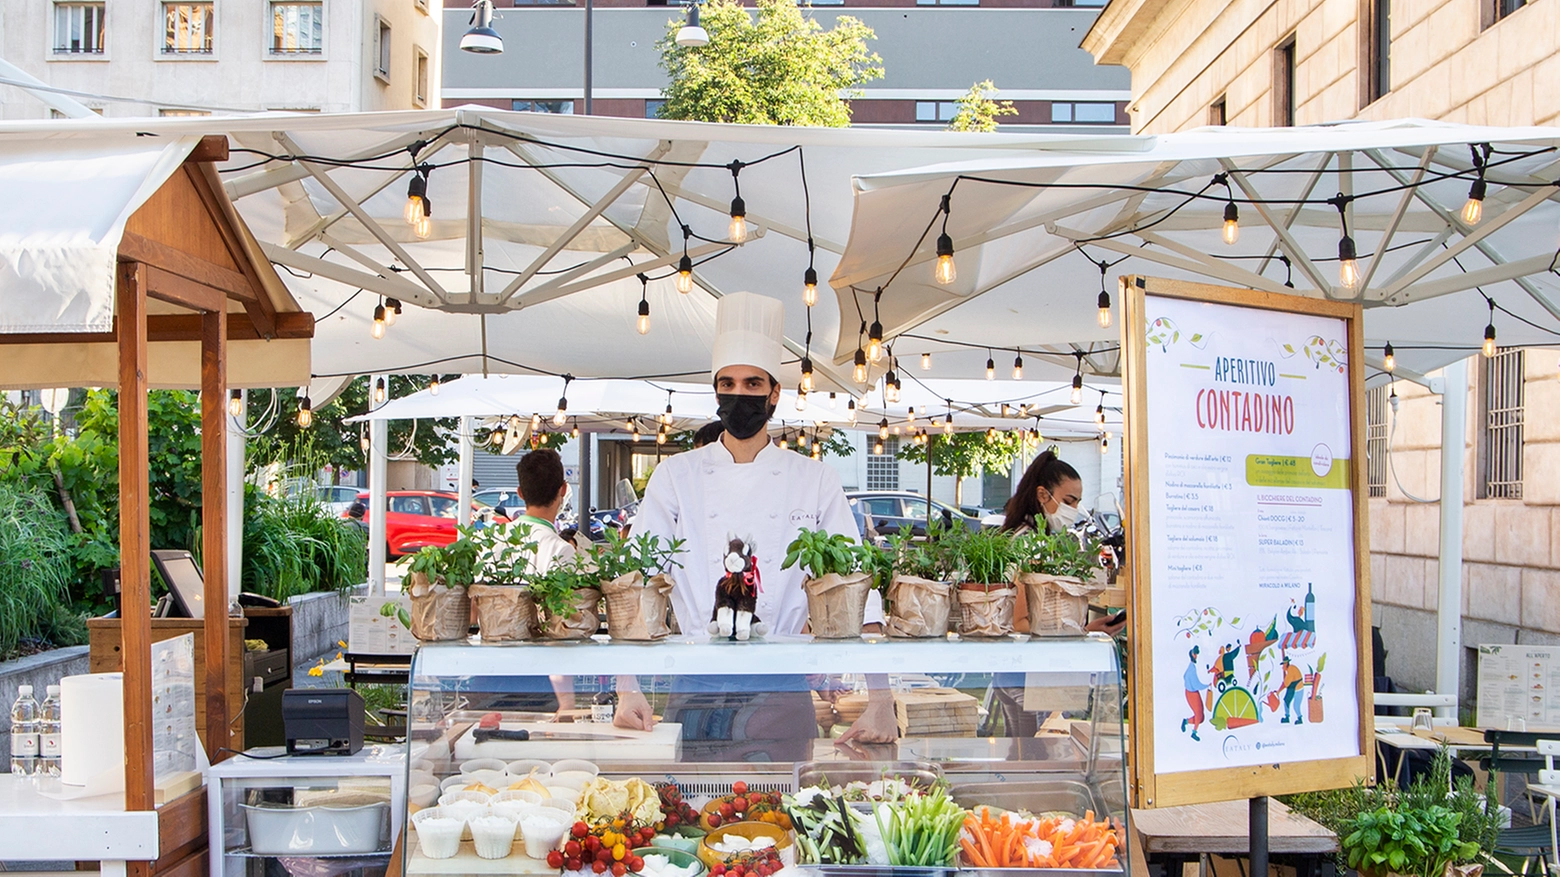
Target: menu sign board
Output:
[
  {"x": 1248, "y": 556},
  {"x": 1517, "y": 686}
]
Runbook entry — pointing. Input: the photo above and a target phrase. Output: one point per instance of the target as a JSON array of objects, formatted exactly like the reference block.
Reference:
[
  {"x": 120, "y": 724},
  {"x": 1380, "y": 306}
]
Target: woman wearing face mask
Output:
[{"x": 1047, "y": 497}]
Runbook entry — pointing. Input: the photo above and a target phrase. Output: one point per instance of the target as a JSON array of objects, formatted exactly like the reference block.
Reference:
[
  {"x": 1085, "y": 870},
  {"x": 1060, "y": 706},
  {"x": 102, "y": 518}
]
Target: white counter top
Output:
[{"x": 35, "y": 826}]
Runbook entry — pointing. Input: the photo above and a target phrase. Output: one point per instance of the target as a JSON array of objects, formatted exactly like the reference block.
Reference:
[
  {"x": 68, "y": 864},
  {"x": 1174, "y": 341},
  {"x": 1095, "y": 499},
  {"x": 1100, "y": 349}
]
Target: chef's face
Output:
[
  {"x": 1068, "y": 492},
  {"x": 747, "y": 380}
]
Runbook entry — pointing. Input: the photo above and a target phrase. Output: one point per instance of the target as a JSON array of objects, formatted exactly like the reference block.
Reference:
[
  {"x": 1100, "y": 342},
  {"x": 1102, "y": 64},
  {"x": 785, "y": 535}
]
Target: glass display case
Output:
[{"x": 509, "y": 745}]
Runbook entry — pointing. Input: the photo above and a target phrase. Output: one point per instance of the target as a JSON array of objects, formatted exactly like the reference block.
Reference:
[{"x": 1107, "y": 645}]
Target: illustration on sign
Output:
[{"x": 1251, "y": 536}]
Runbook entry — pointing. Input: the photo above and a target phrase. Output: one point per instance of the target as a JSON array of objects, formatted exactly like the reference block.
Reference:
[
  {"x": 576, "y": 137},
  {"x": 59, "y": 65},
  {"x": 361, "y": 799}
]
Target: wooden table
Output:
[{"x": 1178, "y": 835}]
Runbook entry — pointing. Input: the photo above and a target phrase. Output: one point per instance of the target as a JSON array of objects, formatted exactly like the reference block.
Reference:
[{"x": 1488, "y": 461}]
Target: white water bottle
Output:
[
  {"x": 49, "y": 734},
  {"x": 24, "y": 732}
]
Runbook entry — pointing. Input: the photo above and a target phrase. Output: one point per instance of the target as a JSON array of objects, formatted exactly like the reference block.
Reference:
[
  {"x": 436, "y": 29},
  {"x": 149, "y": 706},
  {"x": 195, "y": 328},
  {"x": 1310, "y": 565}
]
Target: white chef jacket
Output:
[
  {"x": 551, "y": 549},
  {"x": 704, "y": 496}
]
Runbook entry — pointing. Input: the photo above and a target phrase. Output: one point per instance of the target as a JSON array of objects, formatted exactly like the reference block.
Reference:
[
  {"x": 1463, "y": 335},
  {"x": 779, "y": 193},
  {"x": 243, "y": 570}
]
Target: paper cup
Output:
[
  {"x": 567, "y": 765},
  {"x": 519, "y": 769},
  {"x": 493, "y": 834},
  {"x": 542, "y": 833},
  {"x": 438, "y": 833}
]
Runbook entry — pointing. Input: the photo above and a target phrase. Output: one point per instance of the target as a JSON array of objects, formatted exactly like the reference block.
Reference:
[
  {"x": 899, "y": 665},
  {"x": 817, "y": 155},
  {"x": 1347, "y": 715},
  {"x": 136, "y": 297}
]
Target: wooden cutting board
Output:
[{"x": 664, "y": 743}]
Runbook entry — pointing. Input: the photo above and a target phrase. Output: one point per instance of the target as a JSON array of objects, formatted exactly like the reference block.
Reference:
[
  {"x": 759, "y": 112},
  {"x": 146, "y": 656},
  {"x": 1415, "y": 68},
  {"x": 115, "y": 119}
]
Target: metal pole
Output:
[
  {"x": 1454, "y": 424},
  {"x": 585, "y": 502},
  {"x": 467, "y": 466},
  {"x": 378, "y": 442},
  {"x": 1259, "y": 836},
  {"x": 235, "y": 503},
  {"x": 589, "y": 15},
  {"x": 931, "y": 442}
]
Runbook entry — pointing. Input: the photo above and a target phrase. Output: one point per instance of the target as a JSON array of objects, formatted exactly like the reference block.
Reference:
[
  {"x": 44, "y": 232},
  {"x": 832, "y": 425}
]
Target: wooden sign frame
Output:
[{"x": 1151, "y": 789}]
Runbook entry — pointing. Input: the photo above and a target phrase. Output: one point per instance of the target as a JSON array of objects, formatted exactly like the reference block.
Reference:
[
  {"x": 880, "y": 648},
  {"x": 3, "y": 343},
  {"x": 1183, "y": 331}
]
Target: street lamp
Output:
[
  {"x": 482, "y": 39},
  {"x": 691, "y": 35}
]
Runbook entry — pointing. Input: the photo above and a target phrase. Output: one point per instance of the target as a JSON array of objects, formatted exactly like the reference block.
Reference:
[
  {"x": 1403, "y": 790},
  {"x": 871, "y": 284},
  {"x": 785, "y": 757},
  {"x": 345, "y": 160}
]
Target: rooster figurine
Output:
[{"x": 736, "y": 594}]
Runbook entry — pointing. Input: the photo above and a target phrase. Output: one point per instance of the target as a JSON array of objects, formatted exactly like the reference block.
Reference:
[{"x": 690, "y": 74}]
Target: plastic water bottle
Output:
[
  {"x": 24, "y": 732},
  {"x": 49, "y": 734}
]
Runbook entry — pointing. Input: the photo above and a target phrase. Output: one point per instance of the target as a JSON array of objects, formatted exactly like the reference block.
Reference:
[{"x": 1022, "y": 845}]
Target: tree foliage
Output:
[
  {"x": 333, "y": 441},
  {"x": 965, "y": 454},
  {"x": 778, "y": 67},
  {"x": 978, "y": 111}
]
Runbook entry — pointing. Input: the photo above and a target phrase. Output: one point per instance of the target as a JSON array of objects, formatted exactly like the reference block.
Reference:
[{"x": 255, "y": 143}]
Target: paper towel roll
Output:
[{"x": 92, "y": 728}]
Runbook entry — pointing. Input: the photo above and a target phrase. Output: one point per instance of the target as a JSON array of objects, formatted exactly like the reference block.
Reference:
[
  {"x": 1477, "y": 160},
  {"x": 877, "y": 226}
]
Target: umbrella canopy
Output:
[{"x": 1030, "y": 233}]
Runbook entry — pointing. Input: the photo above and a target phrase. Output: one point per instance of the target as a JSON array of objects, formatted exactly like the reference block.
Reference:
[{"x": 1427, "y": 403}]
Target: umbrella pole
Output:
[
  {"x": 378, "y": 439},
  {"x": 466, "y": 468},
  {"x": 930, "y": 443}
]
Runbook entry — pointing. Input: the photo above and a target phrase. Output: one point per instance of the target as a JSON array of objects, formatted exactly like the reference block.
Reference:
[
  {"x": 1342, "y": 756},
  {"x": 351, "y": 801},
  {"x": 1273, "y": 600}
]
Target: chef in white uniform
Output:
[{"x": 744, "y": 485}]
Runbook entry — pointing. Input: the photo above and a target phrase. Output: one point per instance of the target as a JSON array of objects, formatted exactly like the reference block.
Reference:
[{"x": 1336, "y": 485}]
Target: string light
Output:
[
  {"x": 1231, "y": 223},
  {"x": 563, "y": 403},
  {"x": 801, "y": 398},
  {"x": 860, "y": 372},
  {"x": 1348, "y": 264},
  {"x": 891, "y": 385},
  {"x": 418, "y": 207},
  {"x": 1077, "y": 382},
  {"x": 910, "y": 416},
  {"x": 433, "y": 386},
  {"x": 660, "y": 435},
  {"x": 236, "y": 403},
  {"x": 633, "y": 430},
  {"x": 1388, "y": 359},
  {"x": 991, "y": 433},
  {"x": 991, "y": 367},
  {"x": 1099, "y": 411},
  {"x": 926, "y": 361},
  {"x": 1018, "y": 367},
  {"x": 810, "y": 286},
  {"x": 1489, "y": 332},
  {"x": 834, "y": 402},
  {"x": 305, "y": 412},
  {"x": 378, "y": 329},
  {"x": 850, "y": 409},
  {"x": 946, "y": 272},
  {"x": 574, "y": 431},
  {"x": 1103, "y": 302},
  {"x": 1473, "y": 210},
  {"x": 379, "y": 390},
  {"x": 877, "y": 448},
  {"x": 875, "y": 334},
  {"x": 737, "y": 232},
  {"x": 1006, "y": 409},
  {"x": 1104, "y": 443},
  {"x": 536, "y": 421},
  {"x": 392, "y": 311},
  {"x": 666, "y": 416},
  {"x": 817, "y": 451},
  {"x": 644, "y": 305},
  {"x": 883, "y": 428},
  {"x": 785, "y": 443},
  {"x": 807, "y": 374}
]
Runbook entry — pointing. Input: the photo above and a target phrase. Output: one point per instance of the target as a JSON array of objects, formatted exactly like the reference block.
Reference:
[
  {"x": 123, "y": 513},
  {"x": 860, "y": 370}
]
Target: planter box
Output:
[
  {"x": 40, "y": 671},
  {"x": 319, "y": 621}
]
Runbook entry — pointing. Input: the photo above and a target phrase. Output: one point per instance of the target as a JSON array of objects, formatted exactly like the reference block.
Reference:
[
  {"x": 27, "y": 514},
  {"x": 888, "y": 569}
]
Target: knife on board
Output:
[{"x": 483, "y": 735}]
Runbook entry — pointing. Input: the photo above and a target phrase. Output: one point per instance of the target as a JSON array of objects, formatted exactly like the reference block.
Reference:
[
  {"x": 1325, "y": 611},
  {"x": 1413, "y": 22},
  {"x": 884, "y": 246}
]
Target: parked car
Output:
[
  {"x": 889, "y": 511},
  {"x": 507, "y": 501},
  {"x": 336, "y": 498},
  {"x": 418, "y": 518}
]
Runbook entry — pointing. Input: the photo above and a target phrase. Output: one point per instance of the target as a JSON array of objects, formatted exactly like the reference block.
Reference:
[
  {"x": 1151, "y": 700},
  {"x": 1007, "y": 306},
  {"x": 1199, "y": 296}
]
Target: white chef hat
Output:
[{"x": 748, "y": 331}]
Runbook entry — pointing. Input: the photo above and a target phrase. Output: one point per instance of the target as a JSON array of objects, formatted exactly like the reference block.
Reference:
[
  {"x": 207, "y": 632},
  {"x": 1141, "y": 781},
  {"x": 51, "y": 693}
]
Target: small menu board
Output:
[
  {"x": 1517, "y": 682},
  {"x": 380, "y": 626}
]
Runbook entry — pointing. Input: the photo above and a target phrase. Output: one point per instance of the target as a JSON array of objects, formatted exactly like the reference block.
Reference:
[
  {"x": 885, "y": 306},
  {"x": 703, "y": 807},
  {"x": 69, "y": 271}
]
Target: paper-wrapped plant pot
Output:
[
  {"x": 918, "y": 607},
  {"x": 1058, "y": 605},
  {"x": 439, "y": 612},
  {"x": 581, "y": 623},
  {"x": 837, "y": 605},
  {"x": 637, "y": 607},
  {"x": 505, "y": 613},
  {"x": 986, "y": 610}
]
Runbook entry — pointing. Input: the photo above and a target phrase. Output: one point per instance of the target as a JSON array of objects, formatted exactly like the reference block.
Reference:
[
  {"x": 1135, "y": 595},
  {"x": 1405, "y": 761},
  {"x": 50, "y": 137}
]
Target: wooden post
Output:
[
  {"x": 135, "y": 550},
  {"x": 213, "y": 519}
]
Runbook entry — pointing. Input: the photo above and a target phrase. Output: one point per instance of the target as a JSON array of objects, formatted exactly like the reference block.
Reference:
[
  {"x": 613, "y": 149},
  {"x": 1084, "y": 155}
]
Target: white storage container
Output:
[{"x": 291, "y": 831}]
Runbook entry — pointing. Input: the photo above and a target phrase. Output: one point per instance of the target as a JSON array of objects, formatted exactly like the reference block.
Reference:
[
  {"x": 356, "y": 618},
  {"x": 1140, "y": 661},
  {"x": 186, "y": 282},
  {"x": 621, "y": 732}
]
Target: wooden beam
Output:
[
  {"x": 135, "y": 248},
  {"x": 213, "y": 523},
  {"x": 212, "y": 147},
  {"x": 174, "y": 327},
  {"x": 184, "y": 292},
  {"x": 261, "y": 310},
  {"x": 135, "y": 550}
]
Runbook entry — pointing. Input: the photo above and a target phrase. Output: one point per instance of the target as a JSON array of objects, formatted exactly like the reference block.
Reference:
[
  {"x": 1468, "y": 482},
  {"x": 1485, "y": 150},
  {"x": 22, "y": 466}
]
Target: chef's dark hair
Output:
[
  {"x": 1048, "y": 471},
  {"x": 541, "y": 476}
]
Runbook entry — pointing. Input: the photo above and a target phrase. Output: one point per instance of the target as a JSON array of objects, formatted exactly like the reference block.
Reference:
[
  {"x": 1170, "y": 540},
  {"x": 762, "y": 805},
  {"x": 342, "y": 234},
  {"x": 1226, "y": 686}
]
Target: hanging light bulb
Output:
[
  {"x": 1077, "y": 389},
  {"x": 801, "y": 438},
  {"x": 785, "y": 441},
  {"x": 392, "y": 311},
  {"x": 946, "y": 271},
  {"x": 817, "y": 451},
  {"x": 810, "y": 286},
  {"x": 883, "y": 428},
  {"x": 1018, "y": 367},
  {"x": 379, "y": 390},
  {"x": 633, "y": 430},
  {"x": 1099, "y": 412},
  {"x": 305, "y": 412},
  {"x": 948, "y": 424},
  {"x": 1231, "y": 223},
  {"x": 807, "y": 374},
  {"x": 1388, "y": 359},
  {"x": 926, "y": 361},
  {"x": 1105, "y": 444},
  {"x": 644, "y": 317},
  {"x": 685, "y": 275},
  {"x": 850, "y": 409},
  {"x": 991, "y": 433},
  {"x": 801, "y": 399},
  {"x": 991, "y": 368},
  {"x": 416, "y": 194},
  {"x": 666, "y": 416},
  {"x": 891, "y": 387},
  {"x": 860, "y": 372},
  {"x": 1489, "y": 341},
  {"x": 574, "y": 431},
  {"x": 236, "y": 402},
  {"x": 1103, "y": 316},
  {"x": 660, "y": 435},
  {"x": 561, "y": 415},
  {"x": 424, "y": 224},
  {"x": 737, "y": 231},
  {"x": 536, "y": 421},
  {"x": 1473, "y": 210},
  {"x": 910, "y": 416},
  {"x": 378, "y": 329},
  {"x": 834, "y": 402},
  {"x": 433, "y": 386},
  {"x": 877, "y": 447},
  {"x": 875, "y": 341},
  {"x": 1348, "y": 267}
]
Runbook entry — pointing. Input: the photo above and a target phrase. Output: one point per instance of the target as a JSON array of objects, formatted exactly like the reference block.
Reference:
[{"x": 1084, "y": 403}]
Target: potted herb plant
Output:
[
  {"x": 440, "y": 577},
  {"x": 1058, "y": 575},
  {"x": 983, "y": 565},
  {"x": 505, "y": 609},
  {"x": 567, "y": 598},
  {"x": 633, "y": 572},
  {"x": 835, "y": 584},
  {"x": 917, "y": 597}
]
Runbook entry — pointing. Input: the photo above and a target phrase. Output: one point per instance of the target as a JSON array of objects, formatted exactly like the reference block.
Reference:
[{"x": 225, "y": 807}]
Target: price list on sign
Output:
[{"x": 1519, "y": 683}]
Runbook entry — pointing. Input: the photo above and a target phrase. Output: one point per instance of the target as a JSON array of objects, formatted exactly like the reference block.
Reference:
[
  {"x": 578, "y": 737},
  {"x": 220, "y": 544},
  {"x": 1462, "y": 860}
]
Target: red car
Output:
[{"x": 418, "y": 518}]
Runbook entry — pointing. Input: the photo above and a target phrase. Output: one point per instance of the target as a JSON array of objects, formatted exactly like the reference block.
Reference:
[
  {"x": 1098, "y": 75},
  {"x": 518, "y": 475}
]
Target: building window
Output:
[
  {"x": 79, "y": 28},
  {"x": 297, "y": 28},
  {"x": 420, "y": 80},
  {"x": 1376, "y": 440},
  {"x": 1377, "y": 36},
  {"x": 1284, "y": 84},
  {"x": 564, "y": 107},
  {"x": 883, "y": 469},
  {"x": 1083, "y": 113},
  {"x": 188, "y": 28},
  {"x": 935, "y": 110},
  {"x": 1495, "y": 10},
  {"x": 382, "y": 49},
  {"x": 653, "y": 108},
  {"x": 1500, "y": 425},
  {"x": 1218, "y": 112}
]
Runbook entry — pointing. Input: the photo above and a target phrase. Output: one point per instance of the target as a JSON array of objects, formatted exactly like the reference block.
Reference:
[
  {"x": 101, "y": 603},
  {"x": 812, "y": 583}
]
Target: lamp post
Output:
[
  {"x": 691, "y": 35},
  {"x": 589, "y": 16},
  {"x": 482, "y": 39}
]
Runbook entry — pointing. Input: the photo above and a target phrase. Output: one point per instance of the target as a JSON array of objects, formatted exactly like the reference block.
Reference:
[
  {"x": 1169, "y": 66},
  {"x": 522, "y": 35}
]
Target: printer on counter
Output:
[{"x": 322, "y": 721}]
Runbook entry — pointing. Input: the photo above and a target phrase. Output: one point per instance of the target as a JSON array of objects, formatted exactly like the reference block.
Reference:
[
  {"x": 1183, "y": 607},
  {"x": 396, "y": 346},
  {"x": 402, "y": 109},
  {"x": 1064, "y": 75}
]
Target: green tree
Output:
[
  {"x": 331, "y": 441},
  {"x": 778, "y": 68},
  {"x": 978, "y": 111},
  {"x": 966, "y": 454}
]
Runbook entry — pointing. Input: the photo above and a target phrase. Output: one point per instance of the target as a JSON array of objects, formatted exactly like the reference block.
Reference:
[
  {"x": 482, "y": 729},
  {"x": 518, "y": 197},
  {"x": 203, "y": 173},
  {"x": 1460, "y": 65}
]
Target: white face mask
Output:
[{"x": 1064, "y": 517}]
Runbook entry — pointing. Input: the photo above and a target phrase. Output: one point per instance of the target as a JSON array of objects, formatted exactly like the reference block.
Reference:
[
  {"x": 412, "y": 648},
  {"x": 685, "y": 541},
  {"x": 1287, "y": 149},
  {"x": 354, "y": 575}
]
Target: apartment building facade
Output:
[
  {"x": 193, "y": 57},
  {"x": 932, "y": 51}
]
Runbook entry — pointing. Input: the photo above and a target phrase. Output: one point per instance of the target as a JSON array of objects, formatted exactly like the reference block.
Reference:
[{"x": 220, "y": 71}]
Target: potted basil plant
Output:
[{"x": 834, "y": 582}]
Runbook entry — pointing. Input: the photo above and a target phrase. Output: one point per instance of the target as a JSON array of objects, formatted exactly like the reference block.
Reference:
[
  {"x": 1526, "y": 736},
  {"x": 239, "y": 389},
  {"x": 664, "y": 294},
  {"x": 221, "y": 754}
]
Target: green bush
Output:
[
  {"x": 295, "y": 546},
  {"x": 35, "y": 572}
]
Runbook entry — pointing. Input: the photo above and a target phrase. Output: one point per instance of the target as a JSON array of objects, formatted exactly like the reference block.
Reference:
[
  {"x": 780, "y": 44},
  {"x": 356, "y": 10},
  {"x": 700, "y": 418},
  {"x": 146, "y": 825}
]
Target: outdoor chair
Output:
[
  {"x": 1526, "y": 764},
  {"x": 1535, "y": 843}
]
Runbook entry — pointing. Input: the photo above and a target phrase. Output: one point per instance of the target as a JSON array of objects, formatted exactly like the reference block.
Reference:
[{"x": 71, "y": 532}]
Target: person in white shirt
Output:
[
  {"x": 744, "y": 485},
  {"x": 544, "y": 490}
]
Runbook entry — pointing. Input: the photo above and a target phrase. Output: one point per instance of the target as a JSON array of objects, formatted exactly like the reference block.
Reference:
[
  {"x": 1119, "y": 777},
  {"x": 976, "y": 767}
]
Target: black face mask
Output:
[{"x": 742, "y": 415}]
